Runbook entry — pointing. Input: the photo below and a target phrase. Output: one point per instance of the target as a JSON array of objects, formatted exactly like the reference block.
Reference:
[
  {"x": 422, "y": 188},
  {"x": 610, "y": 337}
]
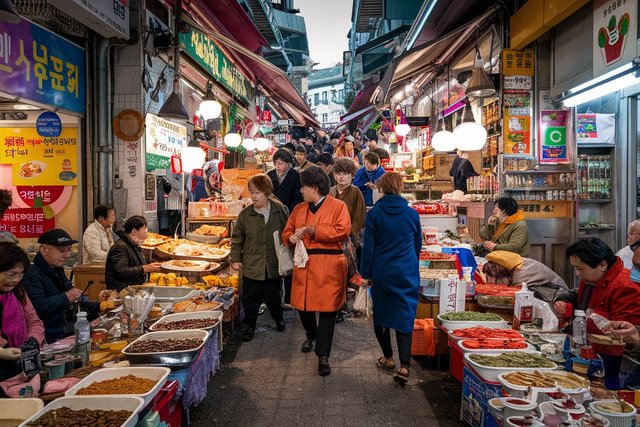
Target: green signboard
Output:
[{"x": 209, "y": 56}]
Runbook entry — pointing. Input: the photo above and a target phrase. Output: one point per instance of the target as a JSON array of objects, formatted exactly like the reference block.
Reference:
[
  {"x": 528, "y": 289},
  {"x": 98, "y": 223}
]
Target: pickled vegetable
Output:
[
  {"x": 470, "y": 316},
  {"x": 513, "y": 360}
]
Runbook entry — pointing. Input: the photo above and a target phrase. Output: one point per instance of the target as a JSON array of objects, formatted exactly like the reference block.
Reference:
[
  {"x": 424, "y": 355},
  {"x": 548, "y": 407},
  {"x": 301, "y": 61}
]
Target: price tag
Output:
[{"x": 176, "y": 164}]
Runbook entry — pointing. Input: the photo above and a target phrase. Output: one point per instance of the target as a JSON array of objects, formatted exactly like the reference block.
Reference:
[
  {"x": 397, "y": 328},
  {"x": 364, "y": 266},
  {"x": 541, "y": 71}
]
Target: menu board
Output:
[{"x": 163, "y": 139}]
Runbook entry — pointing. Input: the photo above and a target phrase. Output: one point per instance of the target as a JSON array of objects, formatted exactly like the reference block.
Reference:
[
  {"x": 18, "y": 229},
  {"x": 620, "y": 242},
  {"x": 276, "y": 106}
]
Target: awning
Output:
[
  {"x": 427, "y": 59},
  {"x": 268, "y": 78},
  {"x": 360, "y": 107}
]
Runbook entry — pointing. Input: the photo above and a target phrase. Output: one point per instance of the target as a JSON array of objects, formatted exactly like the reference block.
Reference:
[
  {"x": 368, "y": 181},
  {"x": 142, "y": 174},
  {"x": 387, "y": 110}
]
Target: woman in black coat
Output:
[{"x": 126, "y": 264}]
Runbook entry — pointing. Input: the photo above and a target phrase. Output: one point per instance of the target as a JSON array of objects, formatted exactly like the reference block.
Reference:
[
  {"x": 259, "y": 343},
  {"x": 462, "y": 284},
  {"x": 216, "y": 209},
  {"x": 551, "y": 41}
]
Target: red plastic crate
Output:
[
  {"x": 168, "y": 408},
  {"x": 456, "y": 361},
  {"x": 423, "y": 341}
]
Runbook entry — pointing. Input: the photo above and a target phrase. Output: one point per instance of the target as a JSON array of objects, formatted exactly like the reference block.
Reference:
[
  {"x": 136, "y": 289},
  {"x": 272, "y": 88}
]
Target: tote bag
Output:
[{"x": 284, "y": 254}]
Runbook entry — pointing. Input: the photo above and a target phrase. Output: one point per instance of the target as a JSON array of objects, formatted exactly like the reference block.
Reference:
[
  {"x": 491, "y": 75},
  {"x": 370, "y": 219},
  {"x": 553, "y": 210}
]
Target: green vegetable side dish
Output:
[
  {"x": 513, "y": 360},
  {"x": 467, "y": 316}
]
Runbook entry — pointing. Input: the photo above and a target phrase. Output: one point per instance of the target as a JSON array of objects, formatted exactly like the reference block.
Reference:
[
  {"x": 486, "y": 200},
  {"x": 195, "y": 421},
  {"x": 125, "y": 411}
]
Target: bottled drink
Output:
[
  {"x": 579, "y": 328},
  {"x": 83, "y": 337}
]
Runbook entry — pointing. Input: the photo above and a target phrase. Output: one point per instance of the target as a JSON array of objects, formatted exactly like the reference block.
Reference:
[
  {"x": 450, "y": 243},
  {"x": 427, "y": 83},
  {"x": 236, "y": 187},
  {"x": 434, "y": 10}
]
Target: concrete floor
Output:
[{"x": 269, "y": 382}]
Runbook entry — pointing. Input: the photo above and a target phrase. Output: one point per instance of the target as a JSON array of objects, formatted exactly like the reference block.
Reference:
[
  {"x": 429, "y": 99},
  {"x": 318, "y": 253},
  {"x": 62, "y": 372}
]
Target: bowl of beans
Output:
[
  {"x": 166, "y": 348},
  {"x": 205, "y": 320}
]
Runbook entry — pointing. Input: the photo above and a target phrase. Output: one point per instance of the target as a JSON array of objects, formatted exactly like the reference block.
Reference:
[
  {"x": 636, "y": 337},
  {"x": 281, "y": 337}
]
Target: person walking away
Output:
[
  {"x": 253, "y": 252},
  {"x": 506, "y": 229},
  {"x": 367, "y": 176},
  {"x": 323, "y": 224},
  {"x": 18, "y": 318},
  {"x": 98, "y": 236},
  {"x": 126, "y": 264},
  {"x": 389, "y": 264}
]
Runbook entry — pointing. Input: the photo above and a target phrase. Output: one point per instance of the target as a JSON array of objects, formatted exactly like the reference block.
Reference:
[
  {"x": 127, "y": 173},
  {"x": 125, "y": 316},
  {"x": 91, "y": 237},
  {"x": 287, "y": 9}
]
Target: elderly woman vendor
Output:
[
  {"x": 506, "y": 228},
  {"x": 509, "y": 268}
]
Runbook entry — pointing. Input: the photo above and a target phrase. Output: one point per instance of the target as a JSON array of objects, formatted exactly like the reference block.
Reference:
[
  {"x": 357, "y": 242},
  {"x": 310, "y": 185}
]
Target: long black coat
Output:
[
  {"x": 289, "y": 191},
  {"x": 124, "y": 265}
]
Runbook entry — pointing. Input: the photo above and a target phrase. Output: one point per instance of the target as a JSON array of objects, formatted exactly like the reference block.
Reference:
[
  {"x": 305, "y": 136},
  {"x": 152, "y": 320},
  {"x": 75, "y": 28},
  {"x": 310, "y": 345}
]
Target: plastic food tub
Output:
[
  {"x": 18, "y": 409},
  {"x": 105, "y": 403},
  {"x": 528, "y": 348},
  {"x": 616, "y": 419},
  {"x": 492, "y": 374},
  {"x": 452, "y": 325},
  {"x": 157, "y": 374},
  {"x": 172, "y": 294}
]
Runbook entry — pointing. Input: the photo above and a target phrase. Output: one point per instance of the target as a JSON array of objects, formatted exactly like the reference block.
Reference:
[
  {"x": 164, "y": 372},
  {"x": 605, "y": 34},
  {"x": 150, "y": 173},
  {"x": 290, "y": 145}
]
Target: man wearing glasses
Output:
[
  {"x": 626, "y": 253},
  {"x": 49, "y": 289}
]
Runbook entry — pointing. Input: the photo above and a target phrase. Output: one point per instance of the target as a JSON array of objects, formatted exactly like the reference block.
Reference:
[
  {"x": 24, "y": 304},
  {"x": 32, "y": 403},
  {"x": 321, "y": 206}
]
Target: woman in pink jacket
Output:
[{"x": 18, "y": 318}]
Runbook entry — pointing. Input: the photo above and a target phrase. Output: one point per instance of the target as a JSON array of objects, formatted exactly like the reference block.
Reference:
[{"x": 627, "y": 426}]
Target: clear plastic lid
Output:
[{"x": 579, "y": 313}]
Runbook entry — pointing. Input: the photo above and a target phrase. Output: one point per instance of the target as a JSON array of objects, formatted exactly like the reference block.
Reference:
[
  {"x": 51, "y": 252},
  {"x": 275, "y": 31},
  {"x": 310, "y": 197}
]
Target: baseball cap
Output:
[{"x": 56, "y": 237}]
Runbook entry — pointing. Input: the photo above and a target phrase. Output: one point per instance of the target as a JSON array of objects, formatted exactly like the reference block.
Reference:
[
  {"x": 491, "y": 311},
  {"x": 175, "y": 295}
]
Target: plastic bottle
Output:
[
  {"x": 579, "y": 328},
  {"x": 83, "y": 337}
]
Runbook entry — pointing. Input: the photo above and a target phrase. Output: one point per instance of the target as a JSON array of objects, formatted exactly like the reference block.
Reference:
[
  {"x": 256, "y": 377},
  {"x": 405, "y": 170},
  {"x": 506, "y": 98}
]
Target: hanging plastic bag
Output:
[
  {"x": 300, "y": 255},
  {"x": 542, "y": 310},
  {"x": 363, "y": 303}
]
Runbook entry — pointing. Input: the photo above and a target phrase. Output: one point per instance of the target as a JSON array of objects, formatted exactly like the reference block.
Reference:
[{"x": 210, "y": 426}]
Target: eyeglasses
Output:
[{"x": 14, "y": 276}]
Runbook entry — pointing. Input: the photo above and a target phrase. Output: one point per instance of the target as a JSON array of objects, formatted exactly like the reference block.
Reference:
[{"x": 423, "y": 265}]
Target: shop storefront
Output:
[{"x": 42, "y": 83}]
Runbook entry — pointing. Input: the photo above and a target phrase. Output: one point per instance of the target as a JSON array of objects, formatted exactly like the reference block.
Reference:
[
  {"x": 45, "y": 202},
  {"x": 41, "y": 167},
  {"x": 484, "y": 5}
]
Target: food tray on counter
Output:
[
  {"x": 491, "y": 373},
  {"x": 452, "y": 325},
  {"x": 172, "y": 294},
  {"x": 105, "y": 403},
  {"x": 195, "y": 267},
  {"x": 203, "y": 238},
  {"x": 162, "y": 253},
  {"x": 528, "y": 348},
  {"x": 158, "y": 374},
  {"x": 169, "y": 359},
  {"x": 520, "y": 390},
  {"x": 216, "y": 315}
]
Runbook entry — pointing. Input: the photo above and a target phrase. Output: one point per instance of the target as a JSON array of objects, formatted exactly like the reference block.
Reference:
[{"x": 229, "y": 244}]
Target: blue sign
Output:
[
  {"x": 49, "y": 124},
  {"x": 38, "y": 65}
]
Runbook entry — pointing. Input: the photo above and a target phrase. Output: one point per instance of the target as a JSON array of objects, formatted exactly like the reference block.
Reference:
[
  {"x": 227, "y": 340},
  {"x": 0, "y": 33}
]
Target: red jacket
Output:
[{"x": 615, "y": 297}]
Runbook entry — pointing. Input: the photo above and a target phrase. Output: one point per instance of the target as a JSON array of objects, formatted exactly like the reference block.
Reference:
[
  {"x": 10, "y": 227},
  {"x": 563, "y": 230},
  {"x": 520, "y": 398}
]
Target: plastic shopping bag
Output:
[
  {"x": 300, "y": 255},
  {"x": 363, "y": 303}
]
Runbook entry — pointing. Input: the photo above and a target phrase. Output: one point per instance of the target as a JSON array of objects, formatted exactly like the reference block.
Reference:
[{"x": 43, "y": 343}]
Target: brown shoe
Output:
[
  {"x": 402, "y": 376},
  {"x": 386, "y": 364}
]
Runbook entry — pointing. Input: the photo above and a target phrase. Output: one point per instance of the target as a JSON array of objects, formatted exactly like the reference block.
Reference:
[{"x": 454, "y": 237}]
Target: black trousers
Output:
[
  {"x": 287, "y": 288},
  {"x": 254, "y": 292},
  {"x": 403, "y": 340},
  {"x": 321, "y": 331}
]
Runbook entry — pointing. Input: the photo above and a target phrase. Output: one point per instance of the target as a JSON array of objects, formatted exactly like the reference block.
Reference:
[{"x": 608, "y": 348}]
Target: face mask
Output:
[{"x": 635, "y": 274}]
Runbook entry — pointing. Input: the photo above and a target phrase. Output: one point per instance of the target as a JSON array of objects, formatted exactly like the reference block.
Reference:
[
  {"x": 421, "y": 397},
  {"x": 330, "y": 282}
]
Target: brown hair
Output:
[
  {"x": 344, "y": 165},
  {"x": 496, "y": 271},
  {"x": 12, "y": 255},
  {"x": 262, "y": 183},
  {"x": 372, "y": 157},
  {"x": 390, "y": 183},
  {"x": 5, "y": 200}
]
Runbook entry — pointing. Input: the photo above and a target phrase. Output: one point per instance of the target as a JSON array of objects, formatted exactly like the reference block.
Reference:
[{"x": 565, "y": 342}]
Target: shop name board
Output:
[
  {"x": 109, "y": 18},
  {"x": 205, "y": 52},
  {"x": 163, "y": 139},
  {"x": 518, "y": 62},
  {"x": 38, "y": 160},
  {"x": 38, "y": 65},
  {"x": 615, "y": 31},
  {"x": 27, "y": 222}
]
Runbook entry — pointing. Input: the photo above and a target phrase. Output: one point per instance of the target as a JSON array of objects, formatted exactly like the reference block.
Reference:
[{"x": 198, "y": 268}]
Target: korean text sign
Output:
[
  {"x": 26, "y": 222},
  {"x": 553, "y": 136},
  {"x": 38, "y": 160},
  {"x": 38, "y": 65},
  {"x": 163, "y": 139}
]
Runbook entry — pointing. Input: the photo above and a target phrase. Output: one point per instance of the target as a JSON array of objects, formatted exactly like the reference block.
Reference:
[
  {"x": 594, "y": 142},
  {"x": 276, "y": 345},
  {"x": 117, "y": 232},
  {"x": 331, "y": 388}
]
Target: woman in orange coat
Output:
[{"x": 323, "y": 224}]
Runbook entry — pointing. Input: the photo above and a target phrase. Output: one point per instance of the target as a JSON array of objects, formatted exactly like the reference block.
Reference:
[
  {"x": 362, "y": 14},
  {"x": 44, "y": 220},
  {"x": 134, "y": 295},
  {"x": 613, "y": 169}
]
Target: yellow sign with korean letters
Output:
[
  {"x": 518, "y": 62},
  {"x": 38, "y": 160}
]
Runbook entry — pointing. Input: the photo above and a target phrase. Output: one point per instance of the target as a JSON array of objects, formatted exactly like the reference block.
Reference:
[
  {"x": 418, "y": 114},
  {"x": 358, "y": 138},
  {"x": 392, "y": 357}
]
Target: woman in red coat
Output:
[{"x": 323, "y": 224}]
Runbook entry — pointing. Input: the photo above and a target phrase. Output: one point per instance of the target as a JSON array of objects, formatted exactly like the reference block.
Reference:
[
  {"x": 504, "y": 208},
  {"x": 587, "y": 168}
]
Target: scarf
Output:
[
  {"x": 518, "y": 216},
  {"x": 14, "y": 325}
]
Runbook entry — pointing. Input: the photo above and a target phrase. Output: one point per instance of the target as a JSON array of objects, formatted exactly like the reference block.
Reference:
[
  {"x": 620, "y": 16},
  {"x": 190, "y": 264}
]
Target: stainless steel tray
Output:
[{"x": 170, "y": 359}]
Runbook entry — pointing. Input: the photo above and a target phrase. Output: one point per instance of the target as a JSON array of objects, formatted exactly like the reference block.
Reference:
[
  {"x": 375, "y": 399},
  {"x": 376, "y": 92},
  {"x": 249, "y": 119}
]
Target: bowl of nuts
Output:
[{"x": 166, "y": 348}]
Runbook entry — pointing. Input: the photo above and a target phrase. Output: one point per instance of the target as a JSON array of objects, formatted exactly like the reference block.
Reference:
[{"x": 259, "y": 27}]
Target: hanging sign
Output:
[
  {"x": 594, "y": 128},
  {"x": 615, "y": 30},
  {"x": 209, "y": 56},
  {"x": 553, "y": 136},
  {"x": 176, "y": 164},
  {"x": 38, "y": 160},
  {"x": 517, "y": 82},
  {"x": 49, "y": 124},
  {"x": 38, "y": 65},
  {"x": 517, "y": 122},
  {"x": 27, "y": 222},
  {"x": 109, "y": 18},
  {"x": 163, "y": 139},
  {"x": 518, "y": 62}
]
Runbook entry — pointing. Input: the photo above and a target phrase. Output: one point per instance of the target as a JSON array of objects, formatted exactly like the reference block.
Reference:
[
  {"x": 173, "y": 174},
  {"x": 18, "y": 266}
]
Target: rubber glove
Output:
[
  {"x": 10, "y": 353},
  {"x": 107, "y": 305}
]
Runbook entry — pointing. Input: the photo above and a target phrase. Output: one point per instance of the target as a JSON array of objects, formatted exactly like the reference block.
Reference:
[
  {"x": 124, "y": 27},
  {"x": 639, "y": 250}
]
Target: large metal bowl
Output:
[{"x": 170, "y": 359}]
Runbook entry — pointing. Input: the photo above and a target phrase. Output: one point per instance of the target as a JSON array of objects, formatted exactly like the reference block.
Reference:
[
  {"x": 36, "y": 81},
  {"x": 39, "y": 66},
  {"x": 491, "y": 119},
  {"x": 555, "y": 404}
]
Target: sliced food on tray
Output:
[
  {"x": 186, "y": 265},
  {"x": 195, "y": 304},
  {"x": 493, "y": 344},
  {"x": 482, "y": 332},
  {"x": 193, "y": 249},
  {"x": 211, "y": 230},
  {"x": 466, "y": 316},
  {"x": 513, "y": 360},
  {"x": 164, "y": 345},
  {"x": 154, "y": 239}
]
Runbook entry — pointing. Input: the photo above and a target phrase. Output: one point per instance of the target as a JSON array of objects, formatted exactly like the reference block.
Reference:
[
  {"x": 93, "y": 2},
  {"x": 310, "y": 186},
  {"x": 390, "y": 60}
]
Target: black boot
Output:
[
  {"x": 307, "y": 346},
  {"x": 280, "y": 326},
  {"x": 248, "y": 334},
  {"x": 323, "y": 366}
]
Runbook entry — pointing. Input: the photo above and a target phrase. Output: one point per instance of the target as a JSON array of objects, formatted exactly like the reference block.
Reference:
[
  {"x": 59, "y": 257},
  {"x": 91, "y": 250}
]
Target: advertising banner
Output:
[
  {"x": 553, "y": 136},
  {"x": 38, "y": 65},
  {"x": 29, "y": 222},
  {"x": 518, "y": 62},
  {"x": 615, "y": 31},
  {"x": 38, "y": 160},
  {"x": 163, "y": 139},
  {"x": 517, "y": 122}
]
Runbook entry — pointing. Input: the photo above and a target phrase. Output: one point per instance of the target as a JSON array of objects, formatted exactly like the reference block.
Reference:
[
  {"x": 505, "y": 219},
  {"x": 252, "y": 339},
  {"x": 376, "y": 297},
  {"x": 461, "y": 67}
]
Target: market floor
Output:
[{"x": 269, "y": 382}]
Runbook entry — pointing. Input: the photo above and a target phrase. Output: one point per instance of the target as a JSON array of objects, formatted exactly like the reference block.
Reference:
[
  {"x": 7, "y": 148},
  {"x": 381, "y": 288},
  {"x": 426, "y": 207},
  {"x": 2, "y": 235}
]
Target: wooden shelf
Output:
[
  {"x": 538, "y": 188},
  {"x": 595, "y": 200}
]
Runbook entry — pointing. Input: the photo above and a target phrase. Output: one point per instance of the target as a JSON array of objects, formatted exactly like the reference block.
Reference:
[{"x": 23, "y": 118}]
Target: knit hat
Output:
[{"x": 509, "y": 260}]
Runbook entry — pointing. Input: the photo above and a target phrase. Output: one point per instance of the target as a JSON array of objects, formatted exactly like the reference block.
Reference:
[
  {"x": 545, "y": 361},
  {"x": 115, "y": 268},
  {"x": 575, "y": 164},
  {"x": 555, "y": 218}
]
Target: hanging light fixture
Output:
[
  {"x": 249, "y": 144},
  {"x": 469, "y": 135},
  {"x": 403, "y": 129},
  {"x": 210, "y": 108},
  {"x": 193, "y": 156},
  {"x": 232, "y": 139},
  {"x": 480, "y": 85},
  {"x": 8, "y": 13},
  {"x": 443, "y": 140},
  {"x": 262, "y": 144},
  {"x": 173, "y": 108}
]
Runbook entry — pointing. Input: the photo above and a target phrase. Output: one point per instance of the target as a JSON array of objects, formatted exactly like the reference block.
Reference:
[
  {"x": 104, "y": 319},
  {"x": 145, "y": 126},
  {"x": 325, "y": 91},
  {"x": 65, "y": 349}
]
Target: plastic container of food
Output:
[
  {"x": 157, "y": 374},
  {"x": 490, "y": 373},
  {"x": 607, "y": 408},
  {"x": 544, "y": 393},
  {"x": 517, "y": 406},
  {"x": 464, "y": 349},
  {"x": 452, "y": 325},
  {"x": 105, "y": 403}
]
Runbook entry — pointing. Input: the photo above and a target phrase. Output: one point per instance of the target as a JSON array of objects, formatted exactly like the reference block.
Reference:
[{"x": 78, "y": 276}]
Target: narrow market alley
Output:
[{"x": 269, "y": 382}]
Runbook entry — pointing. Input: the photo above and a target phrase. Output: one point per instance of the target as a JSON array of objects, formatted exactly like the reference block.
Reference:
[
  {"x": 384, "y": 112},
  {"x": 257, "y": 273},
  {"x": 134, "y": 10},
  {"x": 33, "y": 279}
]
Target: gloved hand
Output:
[
  {"x": 10, "y": 353},
  {"x": 107, "y": 305}
]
